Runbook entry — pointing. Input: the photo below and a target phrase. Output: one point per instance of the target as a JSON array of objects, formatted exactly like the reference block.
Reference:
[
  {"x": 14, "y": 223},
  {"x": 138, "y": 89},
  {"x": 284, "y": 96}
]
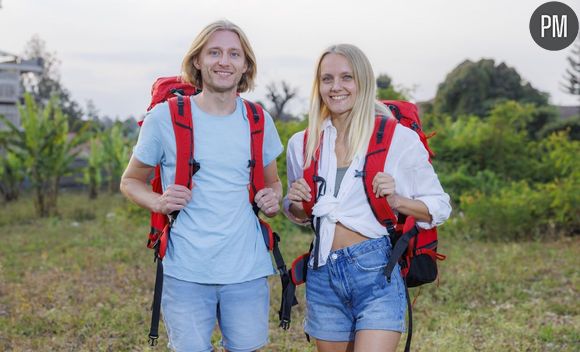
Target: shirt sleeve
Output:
[
  {"x": 272, "y": 145},
  {"x": 425, "y": 185},
  {"x": 294, "y": 171},
  {"x": 149, "y": 149}
]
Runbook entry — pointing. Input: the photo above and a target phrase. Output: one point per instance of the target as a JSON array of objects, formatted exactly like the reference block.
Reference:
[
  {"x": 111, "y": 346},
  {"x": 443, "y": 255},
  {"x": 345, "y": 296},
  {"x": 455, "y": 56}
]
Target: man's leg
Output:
[
  {"x": 189, "y": 313},
  {"x": 243, "y": 315}
]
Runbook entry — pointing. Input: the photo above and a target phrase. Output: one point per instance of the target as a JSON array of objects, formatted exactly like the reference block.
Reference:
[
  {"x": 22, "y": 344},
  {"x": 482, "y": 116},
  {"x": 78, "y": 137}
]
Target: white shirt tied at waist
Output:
[{"x": 407, "y": 161}]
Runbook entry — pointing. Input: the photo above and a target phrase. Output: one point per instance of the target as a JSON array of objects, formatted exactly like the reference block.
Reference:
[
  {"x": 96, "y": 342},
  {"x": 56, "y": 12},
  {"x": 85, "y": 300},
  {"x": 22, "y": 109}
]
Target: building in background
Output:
[{"x": 11, "y": 68}]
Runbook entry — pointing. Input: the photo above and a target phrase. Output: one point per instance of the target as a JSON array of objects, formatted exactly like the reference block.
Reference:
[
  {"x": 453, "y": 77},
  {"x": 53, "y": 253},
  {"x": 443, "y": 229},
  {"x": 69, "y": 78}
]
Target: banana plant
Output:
[{"x": 46, "y": 148}]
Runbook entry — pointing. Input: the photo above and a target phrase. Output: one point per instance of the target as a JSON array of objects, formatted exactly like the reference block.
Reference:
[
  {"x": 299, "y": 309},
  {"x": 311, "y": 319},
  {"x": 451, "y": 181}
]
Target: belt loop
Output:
[{"x": 350, "y": 258}]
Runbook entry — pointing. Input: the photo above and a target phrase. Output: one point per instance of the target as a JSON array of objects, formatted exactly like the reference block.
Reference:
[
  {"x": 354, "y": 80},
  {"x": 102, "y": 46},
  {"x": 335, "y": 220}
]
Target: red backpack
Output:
[
  {"x": 177, "y": 94},
  {"x": 415, "y": 249}
]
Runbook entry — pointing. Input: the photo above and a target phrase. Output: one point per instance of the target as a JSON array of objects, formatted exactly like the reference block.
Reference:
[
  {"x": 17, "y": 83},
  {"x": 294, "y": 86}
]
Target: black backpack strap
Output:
[
  {"x": 186, "y": 167},
  {"x": 398, "y": 250},
  {"x": 410, "y": 320},
  {"x": 156, "y": 306}
]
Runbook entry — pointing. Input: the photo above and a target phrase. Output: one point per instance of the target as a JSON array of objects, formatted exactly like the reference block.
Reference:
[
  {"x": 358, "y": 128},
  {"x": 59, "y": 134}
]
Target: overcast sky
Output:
[{"x": 112, "y": 50}]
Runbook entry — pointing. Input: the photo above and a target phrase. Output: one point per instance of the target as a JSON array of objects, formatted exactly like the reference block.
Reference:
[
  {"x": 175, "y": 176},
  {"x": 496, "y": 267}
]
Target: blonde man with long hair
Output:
[
  {"x": 350, "y": 304},
  {"x": 216, "y": 265}
]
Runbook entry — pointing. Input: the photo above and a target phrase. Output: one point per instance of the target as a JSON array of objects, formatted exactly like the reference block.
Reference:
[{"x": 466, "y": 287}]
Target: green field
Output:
[{"x": 83, "y": 282}]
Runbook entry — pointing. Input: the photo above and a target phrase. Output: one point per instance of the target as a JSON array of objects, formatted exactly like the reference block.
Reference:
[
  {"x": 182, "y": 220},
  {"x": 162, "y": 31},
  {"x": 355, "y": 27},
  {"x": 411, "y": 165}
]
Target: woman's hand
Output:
[
  {"x": 299, "y": 191},
  {"x": 383, "y": 185}
]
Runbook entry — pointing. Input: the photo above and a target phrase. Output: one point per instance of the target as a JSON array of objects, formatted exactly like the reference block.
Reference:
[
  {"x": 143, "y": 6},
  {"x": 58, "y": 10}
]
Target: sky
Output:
[{"x": 111, "y": 51}]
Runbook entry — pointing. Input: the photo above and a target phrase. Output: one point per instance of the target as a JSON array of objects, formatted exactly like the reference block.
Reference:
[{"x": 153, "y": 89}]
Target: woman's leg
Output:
[
  {"x": 330, "y": 346},
  {"x": 376, "y": 341}
]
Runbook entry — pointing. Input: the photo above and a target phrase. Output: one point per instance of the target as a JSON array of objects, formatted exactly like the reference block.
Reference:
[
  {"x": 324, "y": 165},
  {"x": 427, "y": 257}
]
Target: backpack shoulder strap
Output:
[
  {"x": 375, "y": 162},
  {"x": 255, "y": 115},
  {"x": 185, "y": 166},
  {"x": 311, "y": 174}
]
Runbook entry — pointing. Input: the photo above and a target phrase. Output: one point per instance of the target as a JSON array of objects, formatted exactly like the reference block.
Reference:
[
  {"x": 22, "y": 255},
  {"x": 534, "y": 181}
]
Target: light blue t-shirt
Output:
[{"x": 216, "y": 238}]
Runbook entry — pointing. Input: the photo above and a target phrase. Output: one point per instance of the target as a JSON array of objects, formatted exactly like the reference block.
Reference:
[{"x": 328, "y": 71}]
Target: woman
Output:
[{"x": 350, "y": 304}]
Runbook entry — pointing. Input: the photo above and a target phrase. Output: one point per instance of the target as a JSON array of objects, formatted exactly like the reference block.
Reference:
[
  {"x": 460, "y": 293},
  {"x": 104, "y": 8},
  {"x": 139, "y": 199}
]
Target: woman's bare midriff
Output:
[{"x": 344, "y": 237}]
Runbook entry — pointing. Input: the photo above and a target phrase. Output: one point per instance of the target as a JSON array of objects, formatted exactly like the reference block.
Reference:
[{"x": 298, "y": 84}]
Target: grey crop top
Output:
[{"x": 340, "y": 171}]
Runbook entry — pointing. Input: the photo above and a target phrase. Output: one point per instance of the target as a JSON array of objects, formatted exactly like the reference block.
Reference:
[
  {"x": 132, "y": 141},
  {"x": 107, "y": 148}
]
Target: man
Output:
[{"x": 216, "y": 263}]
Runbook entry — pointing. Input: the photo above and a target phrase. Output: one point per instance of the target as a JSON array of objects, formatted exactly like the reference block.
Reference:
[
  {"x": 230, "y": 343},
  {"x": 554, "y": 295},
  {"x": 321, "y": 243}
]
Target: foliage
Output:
[
  {"x": 496, "y": 143},
  {"x": 476, "y": 87},
  {"x": 11, "y": 175},
  {"x": 287, "y": 130},
  {"x": 387, "y": 91},
  {"x": 45, "y": 148},
  {"x": 116, "y": 152},
  {"x": 505, "y": 183},
  {"x": 92, "y": 172},
  {"x": 570, "y": 125},
  {"x": 571, "y": 84}
]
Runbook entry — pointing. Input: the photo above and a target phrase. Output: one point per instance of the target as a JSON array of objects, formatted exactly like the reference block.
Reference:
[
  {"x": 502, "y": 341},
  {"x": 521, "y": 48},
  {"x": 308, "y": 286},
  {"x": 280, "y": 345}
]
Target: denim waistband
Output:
[{"x": 360, "y": 248}]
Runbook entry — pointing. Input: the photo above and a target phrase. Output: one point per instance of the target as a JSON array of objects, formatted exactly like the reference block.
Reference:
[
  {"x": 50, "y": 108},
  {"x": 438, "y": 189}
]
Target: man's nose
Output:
[{"x": 224, "y": 60}]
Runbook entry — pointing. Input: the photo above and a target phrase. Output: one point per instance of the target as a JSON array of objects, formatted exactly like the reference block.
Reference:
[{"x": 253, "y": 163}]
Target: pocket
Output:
[{"x": 375, "y": 260}]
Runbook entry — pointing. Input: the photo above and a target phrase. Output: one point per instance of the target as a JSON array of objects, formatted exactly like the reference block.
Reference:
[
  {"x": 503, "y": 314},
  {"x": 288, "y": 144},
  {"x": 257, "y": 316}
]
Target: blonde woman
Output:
[{"x": 350, "y": 304}]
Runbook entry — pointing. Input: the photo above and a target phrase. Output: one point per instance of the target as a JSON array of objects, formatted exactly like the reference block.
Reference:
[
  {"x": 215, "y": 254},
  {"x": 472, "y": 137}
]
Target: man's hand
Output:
[
  {"x": 268, "y": 201},
  {"x": 174, "y": 198}
]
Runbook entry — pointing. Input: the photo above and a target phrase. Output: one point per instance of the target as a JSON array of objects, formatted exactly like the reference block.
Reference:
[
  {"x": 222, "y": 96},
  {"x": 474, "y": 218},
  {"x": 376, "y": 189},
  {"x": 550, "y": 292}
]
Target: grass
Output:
[{"x": 83, "y": 281}]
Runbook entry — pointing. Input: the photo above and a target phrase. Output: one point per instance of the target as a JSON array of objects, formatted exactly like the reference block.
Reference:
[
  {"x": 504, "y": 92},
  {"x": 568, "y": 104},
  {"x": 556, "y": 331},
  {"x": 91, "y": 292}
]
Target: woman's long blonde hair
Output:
[
  {"x": 360, "y": 121},
  {"x": 192, "y": 75}
]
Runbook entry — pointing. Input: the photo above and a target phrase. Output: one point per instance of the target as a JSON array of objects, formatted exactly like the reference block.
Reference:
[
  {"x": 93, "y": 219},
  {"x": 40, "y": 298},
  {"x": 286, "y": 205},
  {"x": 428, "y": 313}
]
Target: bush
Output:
[{"x": 522, "y": 211}]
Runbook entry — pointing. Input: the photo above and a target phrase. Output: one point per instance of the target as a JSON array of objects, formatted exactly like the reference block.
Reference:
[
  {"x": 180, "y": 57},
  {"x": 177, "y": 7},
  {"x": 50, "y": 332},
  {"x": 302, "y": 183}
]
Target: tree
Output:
[
  {"x": 11, "y": 171},
  {"x": 572, "y": 76},
  {"x": 280, "y": 99},
  {"x": 117, "y": 151},
  {"x": 383, "y": 81},
  {"x": 476, "y": 87},
  {"x": 92, "y": 172},
  {"x": 43, "y": 86},
  {"x": 46, "y": 149},
  {"x": 386, "y": 91}
]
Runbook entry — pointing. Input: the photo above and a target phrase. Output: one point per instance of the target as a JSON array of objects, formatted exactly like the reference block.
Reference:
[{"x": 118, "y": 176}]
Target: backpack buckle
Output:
[
  {"x": 196, "y": 165},
  {"x": 390, "y": 227},
  {"x": 321, "y": 187},
  {"x": 251, "y": 163},
  {"x": 177, "y": 91}
]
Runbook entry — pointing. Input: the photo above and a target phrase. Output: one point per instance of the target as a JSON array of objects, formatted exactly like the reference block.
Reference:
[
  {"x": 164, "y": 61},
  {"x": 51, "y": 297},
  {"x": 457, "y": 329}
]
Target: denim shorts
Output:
[
  {"x": 351, "y": 293},
  {"x": 190, "y": 311}
]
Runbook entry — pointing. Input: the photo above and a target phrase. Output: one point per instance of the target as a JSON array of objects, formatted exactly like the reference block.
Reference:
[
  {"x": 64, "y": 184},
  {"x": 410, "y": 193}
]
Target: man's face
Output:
[{"x": 222, "y": 62}]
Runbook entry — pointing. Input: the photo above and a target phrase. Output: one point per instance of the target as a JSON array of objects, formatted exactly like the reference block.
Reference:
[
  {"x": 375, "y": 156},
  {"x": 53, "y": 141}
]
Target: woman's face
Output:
[{"x": 337, "y": 85}]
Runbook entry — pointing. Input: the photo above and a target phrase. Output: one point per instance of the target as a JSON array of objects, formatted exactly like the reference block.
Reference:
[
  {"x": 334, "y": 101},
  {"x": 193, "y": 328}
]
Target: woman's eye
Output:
[
  {"x": 326, "y": 79},
  {"x": 347, "y": 77}
]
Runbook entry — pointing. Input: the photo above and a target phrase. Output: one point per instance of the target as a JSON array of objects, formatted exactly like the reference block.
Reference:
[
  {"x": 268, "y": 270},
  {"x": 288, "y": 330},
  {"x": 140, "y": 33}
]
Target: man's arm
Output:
[
  {"x": 268, "y": 199},
  {"x": 134, "y": 186}
]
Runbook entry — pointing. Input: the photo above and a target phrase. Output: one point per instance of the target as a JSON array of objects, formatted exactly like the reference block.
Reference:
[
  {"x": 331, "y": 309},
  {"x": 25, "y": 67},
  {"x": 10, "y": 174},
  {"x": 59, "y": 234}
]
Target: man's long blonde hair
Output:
[
  {"x": 192, "y": 75},
  {"x": 360, "y": 121}
]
